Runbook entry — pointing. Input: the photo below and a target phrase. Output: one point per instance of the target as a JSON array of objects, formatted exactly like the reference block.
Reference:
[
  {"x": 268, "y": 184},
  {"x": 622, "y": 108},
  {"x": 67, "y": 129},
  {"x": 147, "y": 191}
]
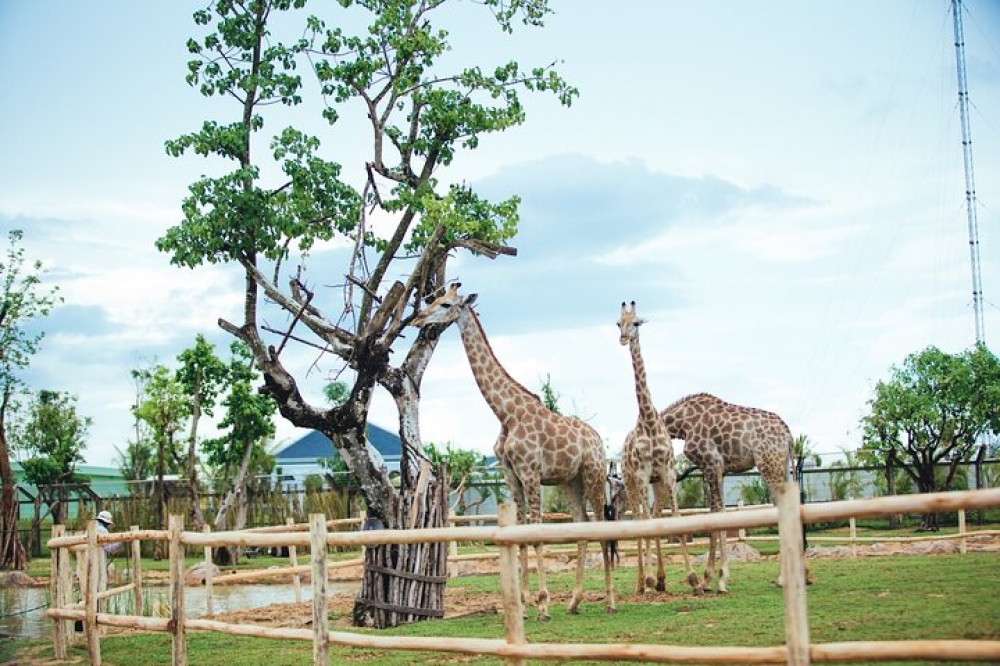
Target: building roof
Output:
[{"x": 315, "y": 444}]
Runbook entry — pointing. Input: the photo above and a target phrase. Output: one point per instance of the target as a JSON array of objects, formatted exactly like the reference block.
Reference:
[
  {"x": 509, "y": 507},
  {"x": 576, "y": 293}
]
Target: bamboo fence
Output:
[{"x": 788, "y": 515}]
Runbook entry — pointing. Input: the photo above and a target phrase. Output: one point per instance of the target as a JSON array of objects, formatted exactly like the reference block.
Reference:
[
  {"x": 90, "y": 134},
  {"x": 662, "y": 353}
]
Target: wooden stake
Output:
[
  {"x": 793, "y": 574},
  {"x": 136, "y": 573},
  {"x": 56, "y": 594},
  {"x": 94, "y": 562},
  {"x": 854, "y": 537},
  {"x": 513, "y": 610},
  {"x": 961, "y": 531},
  {"x": 293, "y": 559},
  {"x": 452, "y": 549},
  {"x": 321, "y": 622},
  {"x": 209, "y": 604},
  {"x": 179, "y": 644},
  {"x": 66, "y": 587}
]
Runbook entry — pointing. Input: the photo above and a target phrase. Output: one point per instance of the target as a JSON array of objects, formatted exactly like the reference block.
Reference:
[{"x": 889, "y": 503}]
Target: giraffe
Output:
[
  {"x": 648, "y": 458},
  {"x": 719, "y": 438},
  {"x": 536, "y": 446}
]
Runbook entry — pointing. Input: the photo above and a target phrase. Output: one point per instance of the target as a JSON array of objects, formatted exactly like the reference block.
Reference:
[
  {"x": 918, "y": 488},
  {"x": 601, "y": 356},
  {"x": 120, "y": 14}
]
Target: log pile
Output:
[{"x": 404, "y": 583}]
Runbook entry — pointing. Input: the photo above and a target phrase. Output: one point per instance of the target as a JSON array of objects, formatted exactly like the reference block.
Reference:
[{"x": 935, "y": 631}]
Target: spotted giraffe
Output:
[
  {"x": 720, "y": 438},
  {"x": 536, "y": 446},
  {"x": 648, "y": 459}
]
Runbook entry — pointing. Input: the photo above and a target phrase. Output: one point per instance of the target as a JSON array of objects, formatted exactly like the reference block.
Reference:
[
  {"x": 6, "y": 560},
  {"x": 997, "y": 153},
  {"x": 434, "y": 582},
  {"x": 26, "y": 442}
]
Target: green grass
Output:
[{"x": 884, "y": 598}]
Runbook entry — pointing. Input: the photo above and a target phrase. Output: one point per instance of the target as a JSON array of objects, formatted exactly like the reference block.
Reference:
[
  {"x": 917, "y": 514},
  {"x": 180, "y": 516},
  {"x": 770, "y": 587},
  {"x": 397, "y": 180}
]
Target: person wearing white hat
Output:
[{"x": 104, "y": 523}]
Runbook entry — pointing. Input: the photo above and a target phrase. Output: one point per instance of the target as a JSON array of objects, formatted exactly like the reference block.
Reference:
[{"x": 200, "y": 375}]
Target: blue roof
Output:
[{"x": 315, "y": 444}]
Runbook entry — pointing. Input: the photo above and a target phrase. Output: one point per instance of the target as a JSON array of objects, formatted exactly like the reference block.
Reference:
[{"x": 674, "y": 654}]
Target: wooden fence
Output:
[{"x": 788, "y": 515}]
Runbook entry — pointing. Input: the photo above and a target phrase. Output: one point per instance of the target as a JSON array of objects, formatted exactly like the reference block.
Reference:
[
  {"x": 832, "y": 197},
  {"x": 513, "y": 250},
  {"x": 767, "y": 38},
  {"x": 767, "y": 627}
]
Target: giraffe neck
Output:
[
  {"x": 647, "y": 412},
  {"x": 496, "y": 385}
]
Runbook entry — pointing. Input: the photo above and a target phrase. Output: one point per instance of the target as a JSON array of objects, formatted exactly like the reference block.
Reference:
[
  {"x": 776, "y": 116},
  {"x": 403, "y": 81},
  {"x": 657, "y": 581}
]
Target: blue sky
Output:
[{"x": 778, "y": 185}]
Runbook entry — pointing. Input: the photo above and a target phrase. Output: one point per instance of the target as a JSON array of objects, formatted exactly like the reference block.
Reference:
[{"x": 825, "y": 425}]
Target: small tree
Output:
[
  {"x": 465, "y": 468},
  {"x": 164, "y": 408},
  {"x": 845, "y": 481},
  {"x": 932, "y": 410},
  {"x": 201, "y": 375},
  {"x": 22, "y": 299},
  {"x": 52, "y": 439},
  {"x": 238, "y": 454}
]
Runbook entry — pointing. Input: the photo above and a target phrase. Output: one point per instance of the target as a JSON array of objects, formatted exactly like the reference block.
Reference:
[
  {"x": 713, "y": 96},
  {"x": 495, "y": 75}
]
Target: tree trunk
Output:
[
  {"x": 192, "y": 472},
  {"x": 405, "y": 582},
  {"x": 890, "y": 485},
  {"x": 159, "y": 496},
  {"x": 11, "y": 550},
  {"x": 929, "y": 522},
  {"x": 235, "y": 497}
]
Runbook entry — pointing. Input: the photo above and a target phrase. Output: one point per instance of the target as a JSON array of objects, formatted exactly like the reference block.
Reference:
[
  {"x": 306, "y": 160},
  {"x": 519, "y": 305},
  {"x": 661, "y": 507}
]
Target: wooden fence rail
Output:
[{"x": 789, "y": 515}]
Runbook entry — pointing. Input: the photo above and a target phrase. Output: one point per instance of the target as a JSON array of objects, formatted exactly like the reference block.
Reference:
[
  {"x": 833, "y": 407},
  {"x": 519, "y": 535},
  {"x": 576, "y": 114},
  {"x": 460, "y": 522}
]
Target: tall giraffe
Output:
[
  {"x": 536, "y": 446},
  {"x": 648, "y": 458},
  {"x": 720, "y": 438}
]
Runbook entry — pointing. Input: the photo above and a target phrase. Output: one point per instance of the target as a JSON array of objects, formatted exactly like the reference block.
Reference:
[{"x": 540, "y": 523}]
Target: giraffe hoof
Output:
[
  {"x": 544, "y": 617},
  {"x": 661, "y": 585},
  {"x": 610, "y": 610}
]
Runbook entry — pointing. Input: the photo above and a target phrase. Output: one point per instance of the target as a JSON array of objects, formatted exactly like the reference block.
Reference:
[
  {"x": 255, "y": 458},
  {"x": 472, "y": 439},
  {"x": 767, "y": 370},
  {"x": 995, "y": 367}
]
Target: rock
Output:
[
  {"x": 16, "y": 579},
  {"x": 737, "y": 551},
  {"x": 195, "y": 574},
  {"x": 934, "y": 547},
  {"x": 828, "y": 551}
]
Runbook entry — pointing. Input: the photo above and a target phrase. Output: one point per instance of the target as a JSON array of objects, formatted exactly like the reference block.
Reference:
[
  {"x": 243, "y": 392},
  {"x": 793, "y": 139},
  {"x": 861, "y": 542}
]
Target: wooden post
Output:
[
  {"x": 209, "y": 603},
  {"x": 854, "y": 536},
  {"x": 513, "y": 610},
  {"x": 66, "y": 587},
  {"x": 793, "y": 574},
  {"x": 961, "y": 531},
  {"x": 293, "y": 558},
  {"x": 176, "y": 550},
  {"x": 743, "y": 531},
  {"x": 94, "y": 563},
  {"x": 452, "y": 550},
  {"x": 321, "y": 622},
  {"x": 136, "y": 573},
  {"x": 56, "y": 594}
]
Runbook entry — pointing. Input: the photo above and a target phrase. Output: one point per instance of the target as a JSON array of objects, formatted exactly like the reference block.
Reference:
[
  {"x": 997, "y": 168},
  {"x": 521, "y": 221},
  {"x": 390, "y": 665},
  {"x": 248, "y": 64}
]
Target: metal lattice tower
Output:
[{"x": 970, "y": 180}]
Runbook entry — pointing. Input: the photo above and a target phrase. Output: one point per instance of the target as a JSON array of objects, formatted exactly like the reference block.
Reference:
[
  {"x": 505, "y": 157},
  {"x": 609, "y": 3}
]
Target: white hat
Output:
[{"x": 105, "y": 517}]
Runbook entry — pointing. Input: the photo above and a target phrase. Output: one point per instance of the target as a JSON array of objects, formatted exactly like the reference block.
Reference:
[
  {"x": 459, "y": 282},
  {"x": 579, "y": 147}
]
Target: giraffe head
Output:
[
  {"x": 628, "y": 324},
  {"x": 446, "y": 308}
]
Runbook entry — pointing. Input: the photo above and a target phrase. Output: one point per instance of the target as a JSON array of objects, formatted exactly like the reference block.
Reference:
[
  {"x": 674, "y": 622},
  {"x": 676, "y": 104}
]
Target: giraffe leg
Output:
[
  {"x": 533, "y": 499},
  {"x": 543, "y": 590},
  {"x": 581, "y": 556},
  {"x": 594, "y": 488},
  {"x": 717, "y": 539},
  {"x": 525, "y": 583},
  {"x": 661, "y": 574},
  {"x": 670, "y": 486},
  {"x": 578, "y": 509}
]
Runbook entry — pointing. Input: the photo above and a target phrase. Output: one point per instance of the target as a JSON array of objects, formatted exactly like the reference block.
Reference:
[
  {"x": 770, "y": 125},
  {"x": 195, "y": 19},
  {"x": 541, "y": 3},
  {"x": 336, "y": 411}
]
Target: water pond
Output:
[{"x": 22, "y": 609}]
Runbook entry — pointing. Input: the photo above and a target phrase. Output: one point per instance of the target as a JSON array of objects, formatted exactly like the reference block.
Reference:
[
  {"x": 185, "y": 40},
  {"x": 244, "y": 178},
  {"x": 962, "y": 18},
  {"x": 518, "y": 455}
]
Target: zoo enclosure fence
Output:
[{"x": 789, "y": 515}]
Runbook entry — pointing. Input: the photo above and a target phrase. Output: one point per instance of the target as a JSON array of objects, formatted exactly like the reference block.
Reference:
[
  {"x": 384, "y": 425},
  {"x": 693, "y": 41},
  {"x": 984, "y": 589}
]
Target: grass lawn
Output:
[{"x": 875, "y": 598}]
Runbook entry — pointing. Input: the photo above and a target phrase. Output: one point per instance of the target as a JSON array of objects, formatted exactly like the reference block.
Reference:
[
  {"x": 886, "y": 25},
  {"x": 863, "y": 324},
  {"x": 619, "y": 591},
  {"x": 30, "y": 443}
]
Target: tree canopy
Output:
[
  {"x": 933, "y": 410},
  {"x": 23, "y": 298},
  {"x": 282, "y": 200}
]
